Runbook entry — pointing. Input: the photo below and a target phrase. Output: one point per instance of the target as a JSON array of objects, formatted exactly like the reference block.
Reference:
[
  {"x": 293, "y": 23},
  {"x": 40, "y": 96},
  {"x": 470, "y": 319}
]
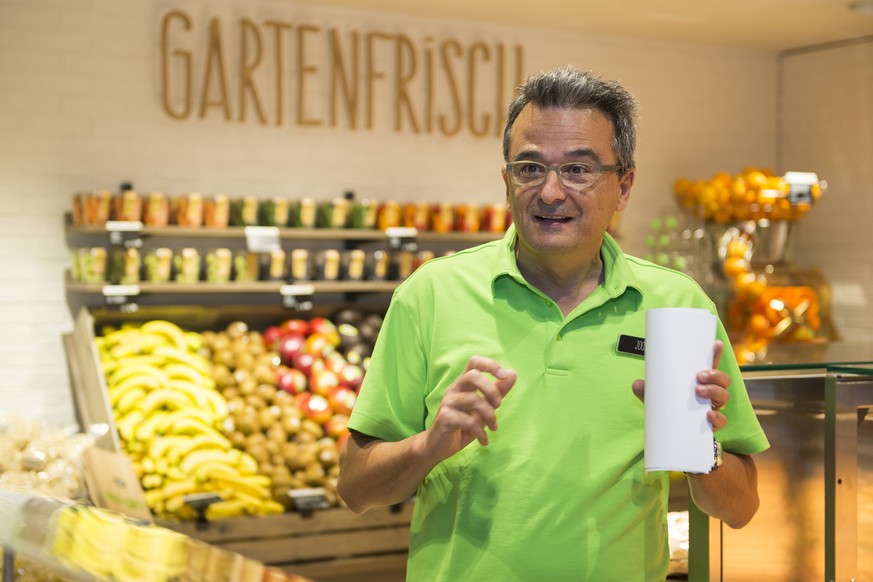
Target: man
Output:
[{"x": 524, "y": 330}]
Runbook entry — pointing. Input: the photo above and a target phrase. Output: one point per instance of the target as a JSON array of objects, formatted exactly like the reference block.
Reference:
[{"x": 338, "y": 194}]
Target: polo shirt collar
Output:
[{"x": 619, "y": 275}]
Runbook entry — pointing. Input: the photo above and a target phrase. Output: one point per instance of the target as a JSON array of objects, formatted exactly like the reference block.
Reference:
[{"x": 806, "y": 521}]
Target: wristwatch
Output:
[{"x": 718, "y": 455}]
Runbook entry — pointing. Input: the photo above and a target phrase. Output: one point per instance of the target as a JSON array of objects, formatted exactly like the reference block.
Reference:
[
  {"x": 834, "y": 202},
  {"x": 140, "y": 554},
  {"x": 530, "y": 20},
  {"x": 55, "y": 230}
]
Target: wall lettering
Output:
[{"x": 299, "y": 74}]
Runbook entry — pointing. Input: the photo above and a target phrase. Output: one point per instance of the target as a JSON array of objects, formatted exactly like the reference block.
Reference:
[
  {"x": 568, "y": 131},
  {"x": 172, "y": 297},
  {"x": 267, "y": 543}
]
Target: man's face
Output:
[{"x": 553, "y": 219}]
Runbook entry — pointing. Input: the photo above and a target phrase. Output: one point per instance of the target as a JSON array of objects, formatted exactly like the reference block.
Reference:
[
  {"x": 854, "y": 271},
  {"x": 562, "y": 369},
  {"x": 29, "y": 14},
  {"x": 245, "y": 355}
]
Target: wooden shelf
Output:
[
  {"x": 253, "y": 287},
  {"x": 314, "y": 234}
]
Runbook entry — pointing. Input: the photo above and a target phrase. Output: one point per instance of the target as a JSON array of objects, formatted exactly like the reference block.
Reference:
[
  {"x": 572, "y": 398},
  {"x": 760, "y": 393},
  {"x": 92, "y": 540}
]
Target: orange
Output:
[
  {"x": 760, "y": 326},
  {"x": 734, "y": 266}
]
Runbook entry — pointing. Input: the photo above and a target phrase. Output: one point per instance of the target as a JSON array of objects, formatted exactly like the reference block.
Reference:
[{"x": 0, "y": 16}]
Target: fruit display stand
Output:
[
  {"x": 734, "y": 236},
  {"x": 327, "y": 544}
]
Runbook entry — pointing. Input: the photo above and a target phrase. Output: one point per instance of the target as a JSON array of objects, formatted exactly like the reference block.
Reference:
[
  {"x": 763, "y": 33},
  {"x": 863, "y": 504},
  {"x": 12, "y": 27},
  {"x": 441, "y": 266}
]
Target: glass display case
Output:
[{"x": 815, "y": 520}]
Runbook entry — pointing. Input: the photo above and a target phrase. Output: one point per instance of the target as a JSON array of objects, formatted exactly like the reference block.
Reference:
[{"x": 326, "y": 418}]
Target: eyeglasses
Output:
[{"x": 573, "y": 175}]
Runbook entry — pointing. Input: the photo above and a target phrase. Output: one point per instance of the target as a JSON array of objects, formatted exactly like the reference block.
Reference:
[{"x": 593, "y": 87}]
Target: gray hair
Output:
[{"x": 570, "y": 88}]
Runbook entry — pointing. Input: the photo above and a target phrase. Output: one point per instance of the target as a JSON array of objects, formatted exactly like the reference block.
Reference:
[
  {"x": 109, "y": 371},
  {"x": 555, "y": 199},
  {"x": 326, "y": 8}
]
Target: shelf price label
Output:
[
  {"x": 308, "y": 500},
  {"x": 297, "y": 297},
  {"x": 120, "y": 297},
  {"x": 262, "y": 239},
  {"x": 402, "y": 238},
  {"x": 126, "y": 233}
]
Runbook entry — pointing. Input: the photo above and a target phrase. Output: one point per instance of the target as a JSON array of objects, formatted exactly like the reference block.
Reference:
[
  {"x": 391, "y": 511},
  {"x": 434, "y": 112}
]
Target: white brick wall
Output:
[{"x": 80, "y": 109}]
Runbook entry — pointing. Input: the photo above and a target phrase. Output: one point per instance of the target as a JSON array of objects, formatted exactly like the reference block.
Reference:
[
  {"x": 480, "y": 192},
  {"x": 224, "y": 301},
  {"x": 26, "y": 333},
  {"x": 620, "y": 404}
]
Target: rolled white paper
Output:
[{"x": 679, "y": 344}]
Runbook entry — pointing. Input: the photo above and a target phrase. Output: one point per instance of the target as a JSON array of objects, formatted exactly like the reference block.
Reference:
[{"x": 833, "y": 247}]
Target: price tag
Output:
[
  {"x": 297, "y": 297},
  {"x": 800, "y": 187},
  {"x": 119, "y": 297},
  {"x": 126, "y": 233},
  {"x": 402, "y": 238},
  {"x": 308, "y": 500},
  {"x": 262, "y": 239}
]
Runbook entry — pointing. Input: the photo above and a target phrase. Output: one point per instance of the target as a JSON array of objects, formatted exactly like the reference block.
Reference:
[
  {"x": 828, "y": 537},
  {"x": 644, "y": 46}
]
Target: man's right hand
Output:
[
  {"x": 469, "y": 406},
  {"x": 374, "y": 472}
]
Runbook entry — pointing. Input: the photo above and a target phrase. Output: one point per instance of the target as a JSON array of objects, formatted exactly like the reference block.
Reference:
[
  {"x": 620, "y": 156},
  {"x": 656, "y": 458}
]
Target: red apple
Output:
[
  {"x": 321, "y": 325},
  {"x": 327, "y": 328},
  {"x": 317, "y": 408},
  {"x": 304, "y": 361},
  {"x": 296, "y": 326},
  {"x": 319, "y": 345},
  {"x": 352, "y": 376},
  {"x": 291, "y": 380},
  {"x": 343, "y": 399},
  {"x": 290, "y": 345},
  {"x": 271, "y": 336},
  {"x": 336, "y": 426},
  {"x": 335, "y": 361},
  {"x": 323, "y": 381}
]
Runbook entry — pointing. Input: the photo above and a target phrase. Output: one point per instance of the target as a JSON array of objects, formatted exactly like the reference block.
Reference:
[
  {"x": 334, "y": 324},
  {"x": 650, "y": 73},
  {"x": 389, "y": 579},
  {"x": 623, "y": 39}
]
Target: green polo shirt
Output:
[{"x": 560, "y": 493}]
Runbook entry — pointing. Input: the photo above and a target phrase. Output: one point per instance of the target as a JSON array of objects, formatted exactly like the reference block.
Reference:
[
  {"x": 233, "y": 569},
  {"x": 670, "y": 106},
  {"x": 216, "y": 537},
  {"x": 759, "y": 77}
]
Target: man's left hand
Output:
[{"x": 712, "y": 384}]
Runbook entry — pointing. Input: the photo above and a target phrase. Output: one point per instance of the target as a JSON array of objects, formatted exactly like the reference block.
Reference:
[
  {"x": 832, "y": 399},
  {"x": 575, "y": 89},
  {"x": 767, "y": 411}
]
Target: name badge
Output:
[{"x": 629, "y": 344}]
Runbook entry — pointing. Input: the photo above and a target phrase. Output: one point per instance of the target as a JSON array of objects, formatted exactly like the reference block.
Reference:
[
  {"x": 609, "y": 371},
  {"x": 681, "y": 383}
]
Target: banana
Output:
[
  {"x": 201, "y": 442},
  {"x": 172, "y": 333},
  {"x": 191, "y": 461},
  {"x": 164, "y": 398},
  {"x": 218, "y": 404},
  {"x": 207, "y": 469},
  {"x": 127, "y": 424},
  {"x": 152, "y": 425},
  {"x": 151, "y": 481},
  {"x": 159, "y": 446},
  {"x": 179, "y": 417},
  {"x": 183, "y": 487},
  {"x": 137, "y": 344},
  {"x": 122, "y": 373},
  {"x": 188, "y": 425},
  {"x": 193, "y": 391},
  {"x": 124, "y": 400},
  {"x": 225, "y": 509},
  {"x": 241, "y": 484},
  {"x": 195, "y": 341},
  {"x": 110, "y": 365},
  {"x": 270, "y": 507},
  {"x": 177, "y": 371},
  {"x": 247, "y": 464},
  {"x": 196, "y": 361}
]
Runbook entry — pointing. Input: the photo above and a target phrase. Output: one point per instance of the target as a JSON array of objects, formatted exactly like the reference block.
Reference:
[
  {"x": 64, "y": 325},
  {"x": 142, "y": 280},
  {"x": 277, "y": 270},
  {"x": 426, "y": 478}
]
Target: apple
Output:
[
  {"x": 291, "y": 380},
  {"x": 325, "y": 327},
  {"x": 352, "y": 375},
  {"x": 335, "y": 361},
  {"x": 271, "y": 336},
  {"x": 343, "y": 399},
  {"x": 295, "y": 326},
  {"x": 317, "y": 408},
  {"x": 319, "y": 345},
  {"x": 336, "y": 426},
  {"x": 323, "y": 381},
  {"x": 290, "y": 345},
  {"x": 305, "y": 362},
  {"x": 321, "y": 325}
]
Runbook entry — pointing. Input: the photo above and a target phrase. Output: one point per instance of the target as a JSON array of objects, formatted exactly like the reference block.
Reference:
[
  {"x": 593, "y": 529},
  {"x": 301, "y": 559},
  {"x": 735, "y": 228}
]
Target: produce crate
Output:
[{"x": 333, "y": 545}]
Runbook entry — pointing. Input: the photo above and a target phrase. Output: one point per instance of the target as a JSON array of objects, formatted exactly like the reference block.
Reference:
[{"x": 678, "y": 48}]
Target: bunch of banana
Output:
[
  {"x": 109, "y": 547},
  {"x": 169, "y": 415}
]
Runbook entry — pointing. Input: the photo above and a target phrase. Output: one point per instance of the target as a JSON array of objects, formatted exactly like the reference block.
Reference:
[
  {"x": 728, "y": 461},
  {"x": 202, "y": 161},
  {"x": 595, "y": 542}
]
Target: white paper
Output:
[{"x": 679, "y": 344}]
